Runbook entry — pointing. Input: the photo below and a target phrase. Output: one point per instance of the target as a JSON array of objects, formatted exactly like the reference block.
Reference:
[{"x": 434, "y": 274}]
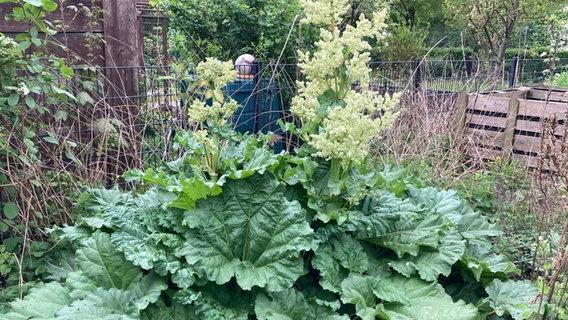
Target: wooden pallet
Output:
[{"x": 509, "y": 124}]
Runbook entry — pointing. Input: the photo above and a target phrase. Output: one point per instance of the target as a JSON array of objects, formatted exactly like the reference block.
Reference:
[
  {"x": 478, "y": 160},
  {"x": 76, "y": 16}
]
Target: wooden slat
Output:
[
  {"x": 548, "y": 94},
  {"x": 513, "y": 109},
  {"x": 122, "y": 34},
  {"x": 542, "y": 109},
  {"x": 485, "y": 137},
  {"x": 531, "y": 162},
  {"x": 488, "y": 103},
  {"x": 526, "y": 143},
  {"x": 481, "y": 120},
  {"x": 536, "y": 127}
]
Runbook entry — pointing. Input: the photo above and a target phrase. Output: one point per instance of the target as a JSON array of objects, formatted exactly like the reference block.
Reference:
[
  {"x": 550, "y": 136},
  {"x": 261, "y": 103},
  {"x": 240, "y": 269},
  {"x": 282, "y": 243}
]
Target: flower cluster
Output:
[
  {"x": 343, "y": 127},
  {"x": 213, "y": 75},
  {"x": 215, "y": 71},
  {"x": 328, "y": 12},
  {"x": 349, "y": 129},
  {"x": 218, "y": 112}
]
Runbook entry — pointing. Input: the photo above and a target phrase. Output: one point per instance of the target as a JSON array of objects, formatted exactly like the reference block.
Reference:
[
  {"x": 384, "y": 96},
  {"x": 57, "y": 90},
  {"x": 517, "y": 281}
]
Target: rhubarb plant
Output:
[{"x": 231, "y": 230}]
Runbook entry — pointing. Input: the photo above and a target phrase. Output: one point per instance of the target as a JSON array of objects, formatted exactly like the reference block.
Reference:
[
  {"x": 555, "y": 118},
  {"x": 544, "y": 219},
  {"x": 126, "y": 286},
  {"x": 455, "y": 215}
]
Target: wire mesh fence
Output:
[{"x": 133, "y": 113}]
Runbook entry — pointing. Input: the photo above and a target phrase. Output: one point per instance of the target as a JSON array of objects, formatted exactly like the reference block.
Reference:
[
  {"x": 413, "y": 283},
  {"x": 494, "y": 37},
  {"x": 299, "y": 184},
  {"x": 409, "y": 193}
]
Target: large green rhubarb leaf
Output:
[
  {"x": 357, "y": 289},
  {"x": 519, "y": 299},
  {"x": 250, "y": 232},
  {"x": 470, "y": 224},
  {"x": 213, "y": 301},
  {"x": 291, "y": 305},
  {"x": 432, "y": 262},
  {"x": 187, "y": 189},
  {"x": 42, "y": 302},
  {"x": 427, "y": 301},
  {"x": 101, "y": 305},
  {"x": 480, "y": 259},
  {"x": 398, "y": 225},
  {"x": 172, "y": 311},
  {"x": 102, "y": 265}
]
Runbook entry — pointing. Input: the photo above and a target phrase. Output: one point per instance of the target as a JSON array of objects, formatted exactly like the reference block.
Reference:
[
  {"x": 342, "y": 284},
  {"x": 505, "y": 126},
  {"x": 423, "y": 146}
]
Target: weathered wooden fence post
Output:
[{"x": 123, "y": 57}]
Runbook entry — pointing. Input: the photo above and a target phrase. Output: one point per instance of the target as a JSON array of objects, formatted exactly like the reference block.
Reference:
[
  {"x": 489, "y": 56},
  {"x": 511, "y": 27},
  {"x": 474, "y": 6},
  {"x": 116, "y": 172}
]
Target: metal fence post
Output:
[
  {"x": 416, "y": 79},
  {"x": 512, "y": 72},
  {"x": 257, "y": 91},
  {"x": 468, "y": 64}
]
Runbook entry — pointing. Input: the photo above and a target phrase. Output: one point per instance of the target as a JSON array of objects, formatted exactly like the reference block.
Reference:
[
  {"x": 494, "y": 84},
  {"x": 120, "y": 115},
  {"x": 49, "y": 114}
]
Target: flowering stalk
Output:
[
  {"x": 214, "y": 76},
  {"x": 336, "y": 120}
]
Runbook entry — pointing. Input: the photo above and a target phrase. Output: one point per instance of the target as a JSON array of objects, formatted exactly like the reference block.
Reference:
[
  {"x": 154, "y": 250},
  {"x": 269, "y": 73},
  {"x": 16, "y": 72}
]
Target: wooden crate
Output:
[{"x": 509, "y": 124}]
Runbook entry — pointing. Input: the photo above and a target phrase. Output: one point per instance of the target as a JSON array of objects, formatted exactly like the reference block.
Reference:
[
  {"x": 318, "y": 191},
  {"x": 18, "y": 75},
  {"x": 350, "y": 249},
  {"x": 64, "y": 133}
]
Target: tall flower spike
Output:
[
  {"x": 326, "y": 12},
  {"x": 340, "y": 122}
]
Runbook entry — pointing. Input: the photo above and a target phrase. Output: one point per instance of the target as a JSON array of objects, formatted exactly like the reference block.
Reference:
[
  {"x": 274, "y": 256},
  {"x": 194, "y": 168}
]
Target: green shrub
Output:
[{"x": 560, "y": 80}]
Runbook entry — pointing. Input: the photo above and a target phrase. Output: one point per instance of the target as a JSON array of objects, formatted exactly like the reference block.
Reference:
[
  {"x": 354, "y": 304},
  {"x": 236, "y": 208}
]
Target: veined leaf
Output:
[
  {"x": 474, "y": 225},
  {"x": 356, "y": 289},
  {"x": 188, "y": 190},
  {"x": 470, "y": 224},
  {"x": 520, "y": 299},
  {"x": 398, "y": 225},
  {"x": 42, "y": 302},
  {"x": 173, "y": 311},
  {"x": 480, "y": 259},
  {"x": 148, "y": 290},
  {"x": 291, "y": 305},
  {"x": 247, "y": 158},
  {"x": 212, "y": 301},
  {"x": 104, "y": 266},
  {"x": 432, "y": 262},
  {"x": 102, "y": 304},
  {"x": 331, "y": 271},
  {"x": 251, "y": 232},
  {"x": 427, "y": 301}
]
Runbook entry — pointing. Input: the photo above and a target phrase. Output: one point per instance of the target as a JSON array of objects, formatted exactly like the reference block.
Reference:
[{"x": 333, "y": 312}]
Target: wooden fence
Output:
[{"x": 513, "y": 124}]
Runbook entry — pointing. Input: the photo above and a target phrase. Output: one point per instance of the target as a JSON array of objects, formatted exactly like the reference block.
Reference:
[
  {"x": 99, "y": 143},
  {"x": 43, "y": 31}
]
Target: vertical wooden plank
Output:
[
  {"x": 122, "y": 35},
  {"x": 461, "y": 104},
  {"x": 512, "y": 112},
  {"x": 123, "y": 56}
]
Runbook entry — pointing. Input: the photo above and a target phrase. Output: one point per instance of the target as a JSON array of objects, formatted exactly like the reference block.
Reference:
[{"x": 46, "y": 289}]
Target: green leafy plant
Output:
[
  {"x": 231, "y": 230},
  {"x": 34, "y": 99}
]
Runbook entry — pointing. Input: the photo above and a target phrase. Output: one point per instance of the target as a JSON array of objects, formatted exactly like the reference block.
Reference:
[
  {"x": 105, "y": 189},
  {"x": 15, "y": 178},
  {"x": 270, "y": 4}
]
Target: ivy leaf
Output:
[
  {"x": 251, "y": 231},
  {"x": 519, "y": 299},
  {"x": 11, "y": 210}
]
